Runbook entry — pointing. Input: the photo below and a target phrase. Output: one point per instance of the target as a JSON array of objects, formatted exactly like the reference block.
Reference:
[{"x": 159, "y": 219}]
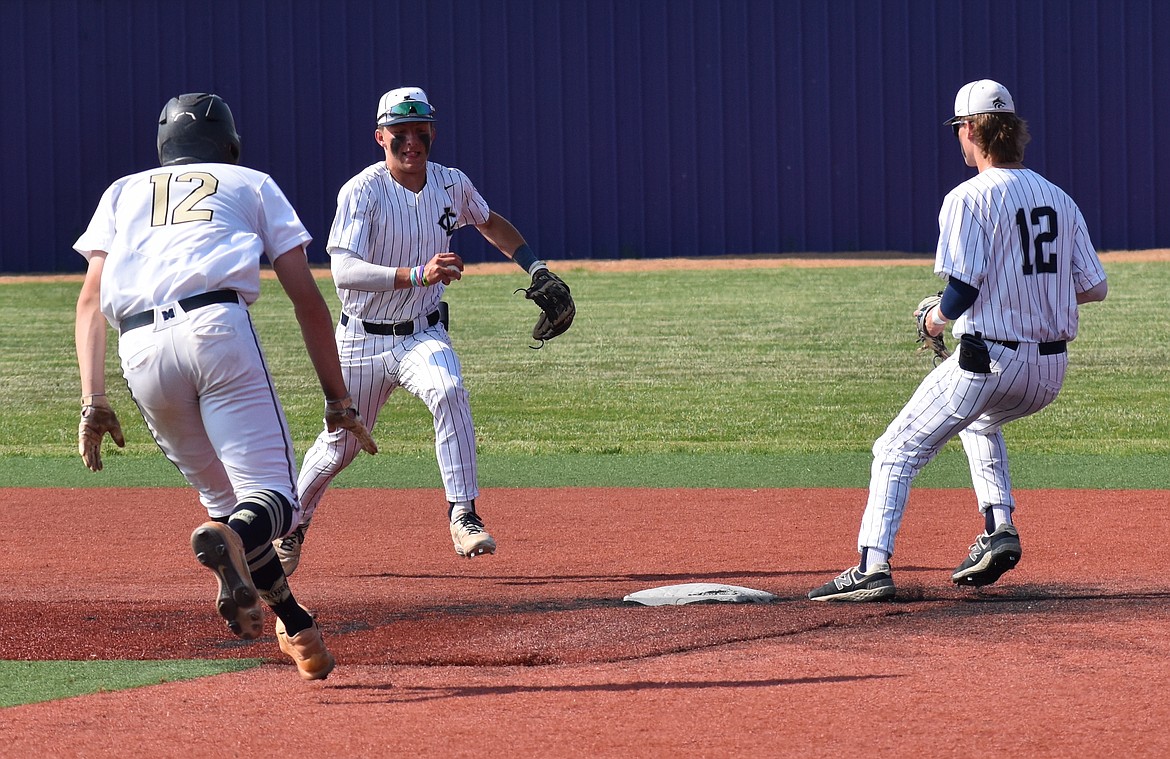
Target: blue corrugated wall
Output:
[{"x": 601, "y": 128}]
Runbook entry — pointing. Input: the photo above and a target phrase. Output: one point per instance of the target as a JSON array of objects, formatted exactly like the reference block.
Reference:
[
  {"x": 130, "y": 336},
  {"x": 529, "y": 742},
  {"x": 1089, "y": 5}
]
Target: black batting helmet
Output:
[{"x": 197, "y": 128}]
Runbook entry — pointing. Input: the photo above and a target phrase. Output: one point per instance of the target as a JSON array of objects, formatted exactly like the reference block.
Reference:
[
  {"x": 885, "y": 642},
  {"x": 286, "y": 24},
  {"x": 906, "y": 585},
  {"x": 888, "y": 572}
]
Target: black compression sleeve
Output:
[{"x": 957, "y": 298}]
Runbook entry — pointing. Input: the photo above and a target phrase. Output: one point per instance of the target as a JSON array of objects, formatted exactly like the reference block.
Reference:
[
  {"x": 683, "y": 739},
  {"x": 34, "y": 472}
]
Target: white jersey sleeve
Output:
[
  {"x": 1087, "y": 269},
  {"x": 1022, "y": 242},
  {"x": 100, "y": 233}
]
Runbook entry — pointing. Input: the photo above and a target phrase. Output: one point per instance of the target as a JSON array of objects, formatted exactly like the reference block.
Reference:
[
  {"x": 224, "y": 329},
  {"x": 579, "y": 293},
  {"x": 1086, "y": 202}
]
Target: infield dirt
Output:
[
  {"x": 760, "y": 261},
  {"x": 531, "y": 653}
]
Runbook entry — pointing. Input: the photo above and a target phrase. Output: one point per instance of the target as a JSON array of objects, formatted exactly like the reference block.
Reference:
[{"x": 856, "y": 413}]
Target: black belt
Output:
[
  {"x": 1046, "y": 349},
  {"x": 401, "y": 329},
  {"x": 143, "y": 318}
]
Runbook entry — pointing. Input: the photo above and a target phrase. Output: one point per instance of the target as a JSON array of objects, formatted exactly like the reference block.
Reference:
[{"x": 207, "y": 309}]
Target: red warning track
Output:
[{"x": 532, "y": 653}]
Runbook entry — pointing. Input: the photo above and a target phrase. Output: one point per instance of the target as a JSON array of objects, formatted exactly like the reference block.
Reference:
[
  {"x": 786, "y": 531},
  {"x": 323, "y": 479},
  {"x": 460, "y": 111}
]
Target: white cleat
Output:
[{"x": 470, "y": 537}]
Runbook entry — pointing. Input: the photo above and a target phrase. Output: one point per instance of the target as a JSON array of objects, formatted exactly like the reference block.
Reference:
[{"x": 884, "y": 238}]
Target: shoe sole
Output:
[
  {"x": 866, "y": 594},
  {"x": 237, "y": 602},
  {"x": 993, "y": 566},
  {"x": 483, "y": 547},
  {"x": 481, "y": 550}
]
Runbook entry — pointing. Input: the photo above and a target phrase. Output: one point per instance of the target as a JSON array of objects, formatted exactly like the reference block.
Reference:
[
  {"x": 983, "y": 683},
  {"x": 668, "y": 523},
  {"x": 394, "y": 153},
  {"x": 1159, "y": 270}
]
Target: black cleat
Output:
[
  {"x": 991, "y": 556},
  {"x": 220, "y": 549},
  {"x": 854, "y": 585}
]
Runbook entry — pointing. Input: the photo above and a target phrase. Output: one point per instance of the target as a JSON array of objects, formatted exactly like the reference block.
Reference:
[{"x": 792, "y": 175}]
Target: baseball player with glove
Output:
[
  {"x": 1017, "y": 259},
  {"x": 390, "y": 255},
  {"x": 174, "y": 262}
]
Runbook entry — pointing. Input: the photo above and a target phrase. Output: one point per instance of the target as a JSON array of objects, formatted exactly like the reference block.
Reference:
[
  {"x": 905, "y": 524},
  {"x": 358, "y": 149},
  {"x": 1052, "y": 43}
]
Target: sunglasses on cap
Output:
[{"x": 409, "y": 108}]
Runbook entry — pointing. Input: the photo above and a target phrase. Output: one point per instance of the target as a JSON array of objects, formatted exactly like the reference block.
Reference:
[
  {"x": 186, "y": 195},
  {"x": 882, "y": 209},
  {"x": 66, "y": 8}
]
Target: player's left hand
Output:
[
  {"x": 342, "y": 415},
  {"x": 931, "y": 342},
  {"x": 96, "y": 421},
  {"x": 556, "y": 304}
]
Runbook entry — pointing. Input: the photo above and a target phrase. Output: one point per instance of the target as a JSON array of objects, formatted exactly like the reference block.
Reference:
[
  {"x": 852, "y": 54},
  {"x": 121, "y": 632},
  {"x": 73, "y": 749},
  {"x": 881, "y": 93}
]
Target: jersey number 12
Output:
[
  {"x": 160, "y": 213},
  {"x": 1047, "y": 233}
]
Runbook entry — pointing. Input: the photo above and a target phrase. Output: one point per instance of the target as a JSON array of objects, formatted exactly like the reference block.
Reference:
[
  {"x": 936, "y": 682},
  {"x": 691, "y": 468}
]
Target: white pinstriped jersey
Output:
[
  {"x": 176, "y": 231},
  {"x": 1022, "y": 242},
  {"x": 386, "y": 224}
]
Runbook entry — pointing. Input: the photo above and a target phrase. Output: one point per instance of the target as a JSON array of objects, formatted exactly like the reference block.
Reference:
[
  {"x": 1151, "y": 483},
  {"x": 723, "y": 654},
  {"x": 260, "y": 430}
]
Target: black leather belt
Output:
[
  {"x": 143, "y": 318},
  {"x": 401, "y": 329},
  {"x": 1046, "y": 349}
]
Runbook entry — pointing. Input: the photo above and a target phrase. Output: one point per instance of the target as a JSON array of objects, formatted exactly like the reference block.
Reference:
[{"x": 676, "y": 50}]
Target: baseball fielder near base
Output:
[
  {"x": 391, "y": 258},
  {"x": 1017, "y": 258}
]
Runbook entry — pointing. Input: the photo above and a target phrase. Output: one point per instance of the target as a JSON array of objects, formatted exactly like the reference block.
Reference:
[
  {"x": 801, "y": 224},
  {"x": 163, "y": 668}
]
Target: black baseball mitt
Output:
[
  {"x": 556, "y": 305},
  {"x": 930, "y": 343}
]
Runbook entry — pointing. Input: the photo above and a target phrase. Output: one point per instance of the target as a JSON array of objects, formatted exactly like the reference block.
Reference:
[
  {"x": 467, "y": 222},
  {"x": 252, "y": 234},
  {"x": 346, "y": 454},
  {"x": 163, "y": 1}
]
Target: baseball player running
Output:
[
  {"x": 1017, "y": 259},
  {"x": 390, "y": 254},
  {"x": 174, "y": 256}
]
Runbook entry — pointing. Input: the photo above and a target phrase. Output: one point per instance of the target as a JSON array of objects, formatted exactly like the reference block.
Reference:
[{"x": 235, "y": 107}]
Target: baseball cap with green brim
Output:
[
  {"x": 982, "y": 96},
  {"x": 404, "y": 105}
]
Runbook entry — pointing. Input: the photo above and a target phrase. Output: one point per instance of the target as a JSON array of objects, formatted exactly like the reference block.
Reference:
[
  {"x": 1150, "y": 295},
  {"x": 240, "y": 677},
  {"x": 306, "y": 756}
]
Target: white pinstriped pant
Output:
[
  {"x": 951, "y": 401},
  {"x": 425, "y": 365}
]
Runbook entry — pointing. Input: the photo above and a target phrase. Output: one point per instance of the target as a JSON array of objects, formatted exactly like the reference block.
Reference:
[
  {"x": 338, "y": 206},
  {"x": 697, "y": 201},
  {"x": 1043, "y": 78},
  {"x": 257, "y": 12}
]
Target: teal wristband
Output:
[{"x": 525, "y": 258}]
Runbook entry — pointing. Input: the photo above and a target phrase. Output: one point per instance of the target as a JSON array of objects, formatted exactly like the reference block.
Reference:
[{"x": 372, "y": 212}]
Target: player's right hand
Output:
[
  {"x": 96, "y": 421},
  {"x": 342, "y": 415},
  {"x": 445, "y": 268}
]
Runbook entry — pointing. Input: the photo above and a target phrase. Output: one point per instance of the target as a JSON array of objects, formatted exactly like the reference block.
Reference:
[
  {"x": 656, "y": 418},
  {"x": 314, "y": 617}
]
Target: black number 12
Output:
[{"x": 1044, "y": 265}]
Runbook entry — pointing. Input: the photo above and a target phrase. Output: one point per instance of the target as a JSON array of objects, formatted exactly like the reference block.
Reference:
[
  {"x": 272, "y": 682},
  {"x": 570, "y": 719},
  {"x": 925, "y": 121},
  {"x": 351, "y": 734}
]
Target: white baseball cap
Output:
[
  {"x": 983, "y": 96},
  {"x": 404, "y": 105}
]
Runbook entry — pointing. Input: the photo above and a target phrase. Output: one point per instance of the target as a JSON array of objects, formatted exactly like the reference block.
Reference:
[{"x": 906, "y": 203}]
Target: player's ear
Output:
[{"x": 378, "y": 137}]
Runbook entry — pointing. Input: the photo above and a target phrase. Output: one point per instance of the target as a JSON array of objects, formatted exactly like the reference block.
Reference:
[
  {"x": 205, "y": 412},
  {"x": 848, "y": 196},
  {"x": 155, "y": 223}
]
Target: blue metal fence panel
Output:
[{"x": 601, "y": 128}]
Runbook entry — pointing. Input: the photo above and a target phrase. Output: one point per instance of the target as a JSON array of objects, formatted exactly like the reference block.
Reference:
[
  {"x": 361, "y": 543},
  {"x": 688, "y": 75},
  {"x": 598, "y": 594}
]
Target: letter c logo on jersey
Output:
[{"x": 447, "y": 221}]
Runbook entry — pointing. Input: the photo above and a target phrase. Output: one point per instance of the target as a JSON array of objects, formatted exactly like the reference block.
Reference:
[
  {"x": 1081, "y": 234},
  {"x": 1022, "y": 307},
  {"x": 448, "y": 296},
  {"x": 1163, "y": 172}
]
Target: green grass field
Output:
[
  {"x": 25, "y": 682},
  {"x": 751, "y": 378}
]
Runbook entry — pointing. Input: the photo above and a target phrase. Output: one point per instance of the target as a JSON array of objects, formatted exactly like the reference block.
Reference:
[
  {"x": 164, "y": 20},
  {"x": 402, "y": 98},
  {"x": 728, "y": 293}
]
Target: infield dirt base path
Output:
[{"x": 531, "y": 653}]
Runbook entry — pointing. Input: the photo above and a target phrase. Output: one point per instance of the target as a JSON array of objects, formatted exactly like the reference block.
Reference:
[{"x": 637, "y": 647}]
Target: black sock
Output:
[
  {"x": 258, "y": 519},
  {"x": 268, "y": 576},
  {"x": 989, "y": 521}
]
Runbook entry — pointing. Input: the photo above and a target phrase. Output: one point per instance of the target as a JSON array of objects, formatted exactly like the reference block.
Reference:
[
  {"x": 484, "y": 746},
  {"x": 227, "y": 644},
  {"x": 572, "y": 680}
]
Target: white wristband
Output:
[{"x": 936, "y": 317}]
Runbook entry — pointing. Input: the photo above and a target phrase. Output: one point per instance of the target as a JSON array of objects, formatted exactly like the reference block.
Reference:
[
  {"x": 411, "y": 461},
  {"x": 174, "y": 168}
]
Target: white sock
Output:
[
  {"x": 871, "y": 557},
  {"x": 459, "y": 508},
  {"x": 1002, "y": 515}
]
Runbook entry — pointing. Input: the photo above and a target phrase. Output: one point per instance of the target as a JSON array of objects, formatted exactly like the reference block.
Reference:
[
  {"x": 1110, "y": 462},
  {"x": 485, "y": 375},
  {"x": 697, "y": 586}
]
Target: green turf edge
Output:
[
  {"x": 30, "y": 682},
  {"x": 657, "y": 470}
]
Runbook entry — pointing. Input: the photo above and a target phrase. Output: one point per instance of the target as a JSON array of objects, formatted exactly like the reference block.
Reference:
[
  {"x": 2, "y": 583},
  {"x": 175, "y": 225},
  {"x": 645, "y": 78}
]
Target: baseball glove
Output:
[
  {"x": 930, "y": 343},
  {"x": 556, "y": 305}
]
